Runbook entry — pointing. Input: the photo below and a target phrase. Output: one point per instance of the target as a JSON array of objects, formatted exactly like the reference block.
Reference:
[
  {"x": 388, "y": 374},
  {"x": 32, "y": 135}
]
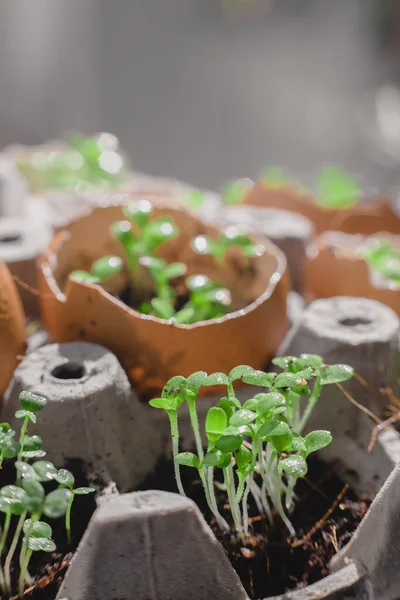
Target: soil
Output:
[
  {"x": 48, "y": 570},
  {"x": 271, "y": 563}
]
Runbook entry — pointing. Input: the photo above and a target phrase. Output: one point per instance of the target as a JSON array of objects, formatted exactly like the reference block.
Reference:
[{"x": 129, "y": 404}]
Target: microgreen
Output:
[
  {"x": 234, "y": 191},
  {"x": 336, "y": 189},
  {"x": 101, "y": 270},
  {"x": 27, "y": 501},
  {"x": 382, "y": 256},
  {"x": 231, "y": 237},
  {"x": 257, "y": 442},
  {"x": 84, "y": 163}
]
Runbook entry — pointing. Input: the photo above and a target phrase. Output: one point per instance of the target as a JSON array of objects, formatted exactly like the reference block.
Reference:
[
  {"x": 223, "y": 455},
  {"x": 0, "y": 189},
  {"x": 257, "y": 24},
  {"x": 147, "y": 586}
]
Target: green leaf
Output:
[
  {"x": 107, "y": 266},
  {"x": 299, "y": 444},
  {"x": 194, "y": 199},
  {"x": 56, "y": 503},
  {"x": 216, "y": 423},
  {"x": 41, "y": 544},
  {"x": 290, "y": 363},
  {"x": 278, "y": 433},
  {"x": 186, "y": 315},
  {"x": 242, "y": 430},
  {"x": 229, "y": 405},
  {"x": 293, "y": 465},
  {"x": 32, "y": 403},
  {"x": 34, "y": 454},
  {"x": 45, "y": 470},
  {"x": 32, "y": 442},
  {"x": 233, "y": 192},
  {"x": 188, "y": 459},
  {"x": 216, "y": 458},
  {"x": 34, "y": 494},
  {"x": 83, "y": 276},
  {"x": 37, "y": 529},
  {"x": 138, "y": 211},
  {"x": 311, "y": 360},
  {"x": 315, "y": 440},
  {"x": 336, "y": 189},
  {"x": 174, "y": 270},
  {"x": 164, "y": 403},
  {"x": 216, "y": 379},
  {"x": 202, "y": 244},
  {"x": 83, "y": 491},
  {"x": 229, "y": 443},
  {"x": 25, "y": 469},
  {"x": 175, "y": 389},
  {"x": 259, "y": 378},
  {"x": 242, "y": 417},
  {"x": 292, "y": 380},
  {"x": 65, "y": 478},
  {"x": 239, "y": 372},
  {"x": 160, "y": 231},
  {"x": 243, "y": 457},
  {"x": 266, "y": 402},
  {"x": 196, "y": 380},
  {"x": 336, "y": 374},
  {"x": 21, "y": 414},
  {"x": 12, "y": 500},
  {"x": 163, "y": 308},
  {"x": 122, "y": 232},
  {"x": 10, "y": 448}
]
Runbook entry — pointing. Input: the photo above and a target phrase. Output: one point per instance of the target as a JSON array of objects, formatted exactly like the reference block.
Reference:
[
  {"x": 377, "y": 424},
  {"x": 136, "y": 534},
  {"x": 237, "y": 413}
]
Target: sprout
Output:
[
  {"x": 336, "y": 189},
  {"x": 231, "y": 237},
  {"x": 27, "y": 501},
  {"x": 262, "y": 436},
  {"x": 384, "y": 258},
  {"x": 102, "y": 269}
]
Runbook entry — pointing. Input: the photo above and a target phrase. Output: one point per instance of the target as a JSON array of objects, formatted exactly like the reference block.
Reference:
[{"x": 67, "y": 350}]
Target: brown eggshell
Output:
[
  {"x": 336, "y": 269},
  {"x": 12, "y": 328},
  {"x": 152, "y": 350},
  {"x": 368, "y": 218}
]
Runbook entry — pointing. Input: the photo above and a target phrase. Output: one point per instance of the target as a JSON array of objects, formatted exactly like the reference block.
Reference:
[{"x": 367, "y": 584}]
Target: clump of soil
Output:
[
  {"x": 325, "y": 516},
  {"x": 48, "y": 570}
]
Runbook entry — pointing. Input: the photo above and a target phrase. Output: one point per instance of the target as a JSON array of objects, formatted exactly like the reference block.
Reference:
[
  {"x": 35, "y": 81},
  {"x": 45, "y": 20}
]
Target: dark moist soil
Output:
[
  {"x": 48, "y": 570},
  {"x": 271, "y": 563}
]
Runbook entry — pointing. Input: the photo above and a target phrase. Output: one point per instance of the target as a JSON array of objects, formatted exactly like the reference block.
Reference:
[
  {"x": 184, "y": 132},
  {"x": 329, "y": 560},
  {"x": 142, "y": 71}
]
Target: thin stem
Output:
[
  {"x": 3, "y": 539},
  {"x": 277, "y": 500},
  {"x": 230, "y": 487},
  {"x": 311, "y": 403},
  {"x": 68, "y": 517},
  {"x": 173, "y": 419},
  {"x": 240, "y": 488},
  {"x": 249, "y": 485},
  {"x": 231, "y": 391},
  {"x": 191, "y": 402},
  {"x": 11, "y": 552},
  {"x": 24, "y": 568},
  {"x": 289, "y": 493},
  {"x": 24, "y": 427},
  {"x": 265, "y": 476},
  {"x": 210, "y": 497}
]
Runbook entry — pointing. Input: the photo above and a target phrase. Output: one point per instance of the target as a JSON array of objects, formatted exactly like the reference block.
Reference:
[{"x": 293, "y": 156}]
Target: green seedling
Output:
[
  {"x": 162, "y": 273},
  {"x": 259, "y": 440},
  {"x": 140, "y": 235},
  {"x": 102, "y": 269},
  {"x": 382, "y": 256},
  {"x": 207, "y": 300},
  {"x": 27, "y": 501},
  {"x": 67, "y": 480},
  {"x": 194, "y": 199},
  {"x": 234, "y": 191},
  {"x": 336, "y": 189},
  {"x": 84, "y": 163},
  {"x": 230, "y": 238}
]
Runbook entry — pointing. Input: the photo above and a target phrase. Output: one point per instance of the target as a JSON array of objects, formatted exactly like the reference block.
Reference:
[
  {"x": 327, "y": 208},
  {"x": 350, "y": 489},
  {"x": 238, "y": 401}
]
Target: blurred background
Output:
[{"x": 208, "y": 90}]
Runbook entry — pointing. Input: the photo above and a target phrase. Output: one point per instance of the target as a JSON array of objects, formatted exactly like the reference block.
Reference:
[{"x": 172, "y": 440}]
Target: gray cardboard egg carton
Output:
[{"x": 156, "y": 545}]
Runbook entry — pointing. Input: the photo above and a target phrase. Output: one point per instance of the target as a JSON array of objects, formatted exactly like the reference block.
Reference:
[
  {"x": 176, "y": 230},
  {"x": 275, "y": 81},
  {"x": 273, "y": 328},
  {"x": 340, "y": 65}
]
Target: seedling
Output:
[
  {"x": 139, "y": 235},
  {"x": 382, "y": 256},
  {"x": 67, "y": 480},
  {"x": 207, "y": 300},
  {"x": 27, "y": 500},
  {"x": 257, "y": 442},
  {"x": 84, "y": 163},
  {"x": 102, "y": 269},
  {"x": 230, "y": 238},
  {"x": 234, "y": 191},
  {"x": 336, "y": 189}
]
